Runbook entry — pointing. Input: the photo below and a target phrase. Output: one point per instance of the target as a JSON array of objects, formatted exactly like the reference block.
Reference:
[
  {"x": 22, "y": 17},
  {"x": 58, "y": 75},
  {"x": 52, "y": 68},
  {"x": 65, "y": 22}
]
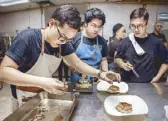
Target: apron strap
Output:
[
  {"x": 81, "y": 38},
  {"x": 42, "y": 44},
  {"x": 97, "y": 40},
  {"x": 60, "y": 51}
]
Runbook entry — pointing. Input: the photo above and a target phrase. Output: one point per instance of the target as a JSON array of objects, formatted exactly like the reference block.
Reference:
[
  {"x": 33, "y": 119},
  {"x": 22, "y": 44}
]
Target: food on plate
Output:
[
  {"x": 110, "y": 76},
  {"x": 59, "y": 118},
  {"x": 113, "y": 88},
  {"x": 124, "y": 107},
  {"x": 83, "y": 85}
]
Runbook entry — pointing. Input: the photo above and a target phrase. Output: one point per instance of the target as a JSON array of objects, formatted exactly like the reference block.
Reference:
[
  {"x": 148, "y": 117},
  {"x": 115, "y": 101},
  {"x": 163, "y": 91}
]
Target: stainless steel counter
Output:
[{"x": 90, "y": 106}]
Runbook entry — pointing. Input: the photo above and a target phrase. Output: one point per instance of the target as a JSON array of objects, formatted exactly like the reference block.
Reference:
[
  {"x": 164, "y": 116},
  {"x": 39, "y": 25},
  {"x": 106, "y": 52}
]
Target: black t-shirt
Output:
[
  {"x": 160, "y": 36},
  {"x": 26, "y": 48},
  {"x": 101, "y": 41},
  {"x": 144, "y": 66}
]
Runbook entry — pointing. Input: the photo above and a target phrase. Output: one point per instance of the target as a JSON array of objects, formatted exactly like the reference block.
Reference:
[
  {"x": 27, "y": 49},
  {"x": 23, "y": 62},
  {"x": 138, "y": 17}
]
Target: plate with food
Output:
[
  {"x": 125, "y": 105},
  {"x": 115, "y": 87},
  {"x": 84, "y": 85}
]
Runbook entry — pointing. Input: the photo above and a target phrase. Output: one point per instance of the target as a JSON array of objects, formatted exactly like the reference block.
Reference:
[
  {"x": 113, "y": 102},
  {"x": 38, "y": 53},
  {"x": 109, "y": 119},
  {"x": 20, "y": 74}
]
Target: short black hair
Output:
[
  {"x": 94, "y": 13},
  {"x": 67, "y": 14},
  {"x": 117, "y": 27},
  {"x": 138, "y": 13},
  {"x": 159, "y": 22}
]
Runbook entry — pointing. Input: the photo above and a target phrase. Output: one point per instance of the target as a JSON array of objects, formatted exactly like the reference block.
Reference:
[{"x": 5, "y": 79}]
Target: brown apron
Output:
[{"x": 45, "y": 66}]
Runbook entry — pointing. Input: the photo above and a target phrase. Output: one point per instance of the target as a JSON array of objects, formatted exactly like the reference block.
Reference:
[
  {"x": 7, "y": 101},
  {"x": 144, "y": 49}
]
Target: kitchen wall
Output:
[
  {"x": 119, "y": 13},
  {"x": 49, "y": 11},
  {"x": 11, "y": 22},
  {"x": 115, "y": 13}
]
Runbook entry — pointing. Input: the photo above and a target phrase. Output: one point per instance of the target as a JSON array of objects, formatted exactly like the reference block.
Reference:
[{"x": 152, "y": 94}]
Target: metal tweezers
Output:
[{"x": 136, "y": 74}]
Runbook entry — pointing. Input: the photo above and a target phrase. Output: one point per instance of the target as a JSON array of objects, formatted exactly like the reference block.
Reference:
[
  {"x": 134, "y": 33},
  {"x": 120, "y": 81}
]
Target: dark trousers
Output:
[
  {"x": 13, "y": 90},
  {"x": 60, "y": 72}
]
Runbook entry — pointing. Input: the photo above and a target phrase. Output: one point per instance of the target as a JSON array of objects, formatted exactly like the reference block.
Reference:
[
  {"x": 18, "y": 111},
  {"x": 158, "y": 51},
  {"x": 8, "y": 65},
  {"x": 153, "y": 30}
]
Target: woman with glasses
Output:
[
  {"x": 138, "y": 53},
  {"x": 118, "y": 35},
  {"x": 35, "y": 55}
]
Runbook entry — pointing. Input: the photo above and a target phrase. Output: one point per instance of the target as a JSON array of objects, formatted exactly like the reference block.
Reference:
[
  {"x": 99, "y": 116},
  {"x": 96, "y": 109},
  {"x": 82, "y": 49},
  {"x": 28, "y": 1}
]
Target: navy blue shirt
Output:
[
  {"x": 101, "y": 41},
  {"x": 26, "y": 49},
  {"x": 145, "y": 65}
]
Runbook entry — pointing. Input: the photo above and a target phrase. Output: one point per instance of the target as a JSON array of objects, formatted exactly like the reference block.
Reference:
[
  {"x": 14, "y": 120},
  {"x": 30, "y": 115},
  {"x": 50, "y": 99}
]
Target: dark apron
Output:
[{"x": 144, "y": 64}]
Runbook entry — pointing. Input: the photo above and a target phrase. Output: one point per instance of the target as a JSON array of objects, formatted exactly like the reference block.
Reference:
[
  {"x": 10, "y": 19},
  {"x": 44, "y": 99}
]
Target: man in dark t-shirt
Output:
[
  {"x": 157, "y": 33},
  {"x": 161, "y": 37},
  {"x": 141, "y": 58},
  {"x": 89, "y": 46}
]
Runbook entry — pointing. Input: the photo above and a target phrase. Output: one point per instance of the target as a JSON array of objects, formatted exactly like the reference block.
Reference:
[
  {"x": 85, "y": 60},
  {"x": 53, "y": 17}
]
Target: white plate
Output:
[
  {"x": 139, "y": 106},
  {"x": 166, "y": 111},
  {"x": 103, "y": 86}
]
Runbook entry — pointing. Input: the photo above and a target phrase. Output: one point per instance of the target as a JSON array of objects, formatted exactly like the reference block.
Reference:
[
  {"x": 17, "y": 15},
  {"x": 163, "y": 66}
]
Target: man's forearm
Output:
[
  {"x": 80, "y": 66},
  {"x": 104, "y": 64},
  {"x": 162, "y": 70},
  {"x": 15, "y": 77},
  {"x": 119, "y": 62}
]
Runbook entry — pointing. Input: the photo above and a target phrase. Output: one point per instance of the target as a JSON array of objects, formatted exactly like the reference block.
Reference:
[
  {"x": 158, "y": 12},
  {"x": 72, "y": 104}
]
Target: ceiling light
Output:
[{"x": 10, "y": 3}]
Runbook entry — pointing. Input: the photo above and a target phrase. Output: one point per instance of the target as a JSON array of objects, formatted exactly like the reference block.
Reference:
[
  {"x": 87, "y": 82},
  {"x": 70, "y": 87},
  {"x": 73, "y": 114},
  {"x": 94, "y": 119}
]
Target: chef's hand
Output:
[
  {"x": 155, "y": 79},
  {"x": 99, "y": 80},
  {"x": 158, "y": 88},
  {"x": 110, "y": 76},
  {"x": 127, "y": 66},
  {"x": 54, "y": 86}
]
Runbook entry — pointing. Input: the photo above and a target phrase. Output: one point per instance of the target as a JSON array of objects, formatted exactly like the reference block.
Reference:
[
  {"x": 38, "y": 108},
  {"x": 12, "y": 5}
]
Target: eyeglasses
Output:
[
  {"x": 139, "y": 27},
  {"x": 95, "y": 26},
  {"x": 159, "y": 26},
  {"x": 62, "y": 37}
]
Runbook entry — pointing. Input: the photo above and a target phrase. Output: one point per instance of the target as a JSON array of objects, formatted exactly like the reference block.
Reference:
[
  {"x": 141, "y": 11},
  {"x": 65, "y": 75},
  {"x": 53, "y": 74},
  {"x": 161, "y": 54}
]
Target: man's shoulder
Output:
[
  {"x": 101, "y": 40},
  {"x": 125, "y": 41},
  {"x": 153, "y": 38},
  {"x": 155, "y": 41},
  {"x": 77, "y": 38},
  {"x": 29, "y": 37},
  {"x": 29, "y": 32}
]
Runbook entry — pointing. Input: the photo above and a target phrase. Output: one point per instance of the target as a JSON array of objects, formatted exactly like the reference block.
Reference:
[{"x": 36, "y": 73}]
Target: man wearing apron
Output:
[
  {"x": 90, "y": 47},
  {"x": 139, "y": 52},
  {"x": 34, "y": 56}
]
